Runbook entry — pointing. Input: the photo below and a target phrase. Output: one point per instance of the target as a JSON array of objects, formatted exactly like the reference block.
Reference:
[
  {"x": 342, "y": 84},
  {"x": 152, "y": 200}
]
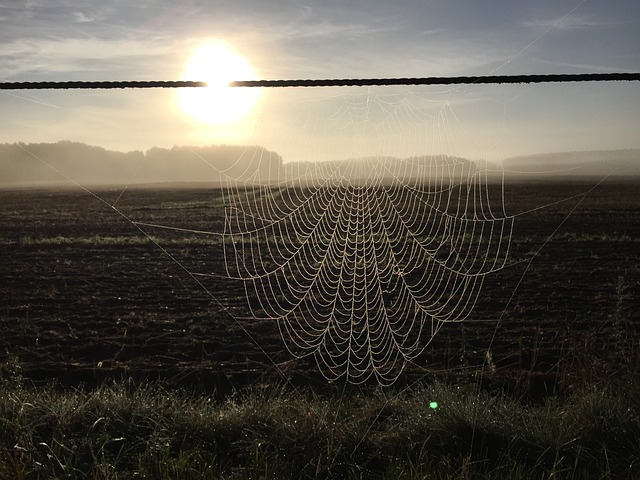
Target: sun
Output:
[{"x": 218, "y": 103}]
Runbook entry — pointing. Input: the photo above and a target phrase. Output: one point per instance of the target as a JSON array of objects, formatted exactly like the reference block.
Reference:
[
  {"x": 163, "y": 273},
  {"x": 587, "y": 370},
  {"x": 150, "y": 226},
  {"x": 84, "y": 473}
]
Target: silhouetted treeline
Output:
[
  {"x": 34, "y": 163},
  {"x": 39, "y": 163}
]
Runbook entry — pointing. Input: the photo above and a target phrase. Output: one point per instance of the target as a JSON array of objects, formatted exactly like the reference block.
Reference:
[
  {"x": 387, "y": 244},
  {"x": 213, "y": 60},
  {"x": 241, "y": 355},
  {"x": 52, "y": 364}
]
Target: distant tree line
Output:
[
  {"x": 43, "y": 163},
  {"x": 36, "y": 163}
]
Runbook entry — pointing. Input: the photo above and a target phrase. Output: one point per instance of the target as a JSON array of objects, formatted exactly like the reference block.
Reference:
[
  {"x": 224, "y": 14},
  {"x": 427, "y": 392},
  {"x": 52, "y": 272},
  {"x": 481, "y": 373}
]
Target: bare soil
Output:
[{"x": 85, "y": 295}]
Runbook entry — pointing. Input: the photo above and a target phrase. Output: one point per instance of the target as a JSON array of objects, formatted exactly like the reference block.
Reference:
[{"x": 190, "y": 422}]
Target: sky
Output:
[{"x": 153, "y": 40}]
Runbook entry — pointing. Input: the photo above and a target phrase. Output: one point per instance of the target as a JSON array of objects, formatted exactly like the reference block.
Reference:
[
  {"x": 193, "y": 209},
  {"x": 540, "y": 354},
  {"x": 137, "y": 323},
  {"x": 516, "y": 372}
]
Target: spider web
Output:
[
  {"x": 362, "y": 261},
  {"x": 377, "y": 234}
]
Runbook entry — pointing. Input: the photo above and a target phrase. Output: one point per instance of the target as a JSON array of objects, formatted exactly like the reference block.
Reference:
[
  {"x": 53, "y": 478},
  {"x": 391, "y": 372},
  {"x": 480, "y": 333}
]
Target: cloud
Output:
[
  {"x": 585, "y": 67},
  {"x": 68, "y": 58},
  {"x": 80, "y": 17},
  {"x": 572, "y": 22},
  {"x": 331, "y": 30}
]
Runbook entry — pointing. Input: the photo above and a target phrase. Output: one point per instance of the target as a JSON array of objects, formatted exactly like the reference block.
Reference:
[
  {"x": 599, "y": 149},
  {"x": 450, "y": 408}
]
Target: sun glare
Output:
[{"x": 218, "y": 103}]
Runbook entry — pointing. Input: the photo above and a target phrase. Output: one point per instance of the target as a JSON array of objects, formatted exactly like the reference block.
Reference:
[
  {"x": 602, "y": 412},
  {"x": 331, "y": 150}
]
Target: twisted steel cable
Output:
[{"x": 344, "y": 82}]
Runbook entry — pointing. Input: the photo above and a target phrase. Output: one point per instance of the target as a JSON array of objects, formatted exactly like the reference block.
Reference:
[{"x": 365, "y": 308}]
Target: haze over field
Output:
[{"x": 65, "y": 162}]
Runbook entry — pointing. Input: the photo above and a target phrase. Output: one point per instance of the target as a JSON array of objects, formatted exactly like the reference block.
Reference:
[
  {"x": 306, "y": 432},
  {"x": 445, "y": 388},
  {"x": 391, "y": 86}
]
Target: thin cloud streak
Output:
[
  {"x": 54, "y": 58},
  {"x": 572, "y": 22}
]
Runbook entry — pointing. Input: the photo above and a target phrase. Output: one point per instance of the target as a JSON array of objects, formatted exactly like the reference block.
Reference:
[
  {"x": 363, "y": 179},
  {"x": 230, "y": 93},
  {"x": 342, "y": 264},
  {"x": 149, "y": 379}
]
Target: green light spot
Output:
[{"x": 433, "y": 405}]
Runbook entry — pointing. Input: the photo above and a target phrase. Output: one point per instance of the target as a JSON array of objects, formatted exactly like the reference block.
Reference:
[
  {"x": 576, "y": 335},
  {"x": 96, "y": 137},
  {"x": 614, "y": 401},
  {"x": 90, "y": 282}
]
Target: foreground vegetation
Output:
[{"x": 438, "y": 431}]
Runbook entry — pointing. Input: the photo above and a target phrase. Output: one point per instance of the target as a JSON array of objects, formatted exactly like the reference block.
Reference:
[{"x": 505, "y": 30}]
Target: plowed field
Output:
[{"x": 86, "y": 295}]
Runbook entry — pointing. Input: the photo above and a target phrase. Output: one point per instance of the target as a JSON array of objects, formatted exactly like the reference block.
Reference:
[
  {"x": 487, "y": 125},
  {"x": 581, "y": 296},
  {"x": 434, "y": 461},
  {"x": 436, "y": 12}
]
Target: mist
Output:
[{"x": 67, "y": 162}]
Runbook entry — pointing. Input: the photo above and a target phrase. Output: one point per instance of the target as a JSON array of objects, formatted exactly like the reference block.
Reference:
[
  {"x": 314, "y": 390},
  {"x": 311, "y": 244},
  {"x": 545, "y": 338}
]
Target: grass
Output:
[{"x": 132, "y": 430}]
